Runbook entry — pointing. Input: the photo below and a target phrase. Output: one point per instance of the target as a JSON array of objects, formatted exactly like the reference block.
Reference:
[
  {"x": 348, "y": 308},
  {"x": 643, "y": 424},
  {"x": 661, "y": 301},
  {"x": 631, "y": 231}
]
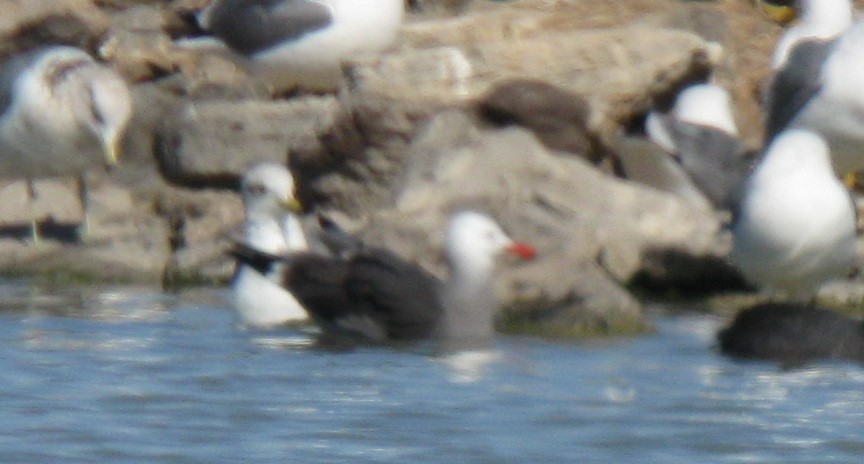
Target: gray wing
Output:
[
  {"x": 251, "y": 26},
  {"x": 717, "y": 162},
  {"x": 9, "y": 72},
  {"x": 645, "y": 162},
  {"x": 795, "y": 84}
]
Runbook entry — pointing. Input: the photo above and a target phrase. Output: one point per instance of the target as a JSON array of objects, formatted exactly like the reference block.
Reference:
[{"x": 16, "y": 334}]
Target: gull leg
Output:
[
  {"x": 84, "y": 198},
  {"x": 34, "y": 221}
]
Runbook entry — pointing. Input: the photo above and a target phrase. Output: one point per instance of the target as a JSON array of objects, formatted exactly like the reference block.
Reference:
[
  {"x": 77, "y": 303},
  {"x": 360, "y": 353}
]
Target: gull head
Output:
[
  {"x": 268, "y": 190},
  {"x": 706, "y": 105},
  {"x": 474, "y": 240},
  {"x": 100, "y": 102},
  {"x": 110, "y": 109}
]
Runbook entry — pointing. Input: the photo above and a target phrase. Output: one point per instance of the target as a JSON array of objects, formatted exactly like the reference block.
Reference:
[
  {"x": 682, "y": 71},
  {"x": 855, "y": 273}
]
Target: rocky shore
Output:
[{"x": 514, "y": 108}]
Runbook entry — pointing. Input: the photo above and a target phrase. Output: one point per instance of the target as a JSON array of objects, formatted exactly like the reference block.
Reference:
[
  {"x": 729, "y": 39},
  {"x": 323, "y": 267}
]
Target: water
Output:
[{"x": 128, "y": 375}]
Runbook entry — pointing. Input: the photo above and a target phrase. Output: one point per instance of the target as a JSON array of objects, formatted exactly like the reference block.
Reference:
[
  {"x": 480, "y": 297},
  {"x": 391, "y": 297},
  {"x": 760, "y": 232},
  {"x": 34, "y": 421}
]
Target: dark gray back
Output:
[{"x": 251, "y": 26}]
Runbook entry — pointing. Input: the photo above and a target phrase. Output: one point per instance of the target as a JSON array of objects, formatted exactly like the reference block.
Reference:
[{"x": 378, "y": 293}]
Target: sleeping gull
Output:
[
  {"x": 818, "y": 20},
  {"x": 796, "y": 227},
  {"x": 708, "y": 160},
  {"x": 292, "y": 43},
  {"x": 62, "y": 114},
  {"x": 377, "y": 296},
  {"x": 819, "y": 89},
  {"x": 270, "y": 225}
]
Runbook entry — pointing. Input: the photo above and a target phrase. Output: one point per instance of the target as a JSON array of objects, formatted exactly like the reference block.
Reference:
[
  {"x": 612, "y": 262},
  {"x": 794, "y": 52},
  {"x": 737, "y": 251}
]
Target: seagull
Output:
[
  {"x": 705, "y": 104},
  {"x": 708, "y": 161},
  {"x": 272, "y": 227},
  {"x": 819, "y": 89},
  {"x": 792, "y": 334},
  {"x": 61, "y": 114},
  {"x": 796, "y": 226},
  {"x": 302, "y": 43},
  {"x": 818, "y": 20},
  {"x": 375, "y": 295}
]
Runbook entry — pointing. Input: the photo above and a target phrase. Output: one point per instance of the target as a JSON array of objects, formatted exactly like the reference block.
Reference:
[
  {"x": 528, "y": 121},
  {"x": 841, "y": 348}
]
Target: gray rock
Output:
[
  {"x": 207, "y": 142},
  {"x": 202, "y": 225},
  {"x": 128, "y": 241},
  {"x": 31, "y": 23}
]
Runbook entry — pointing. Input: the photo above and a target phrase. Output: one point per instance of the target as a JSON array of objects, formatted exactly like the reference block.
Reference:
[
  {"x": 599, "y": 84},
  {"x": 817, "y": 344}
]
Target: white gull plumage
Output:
[
  {"x": 271, "y": 226},
  {"x": 63, "y": 113},
  {"x": 796, "y": 227},
  {"x": 818, "y": 20},
  {"x": 303, "y": 43},
  {"x": 706, "y": 104},
  {"x": 819, "y": 89}
]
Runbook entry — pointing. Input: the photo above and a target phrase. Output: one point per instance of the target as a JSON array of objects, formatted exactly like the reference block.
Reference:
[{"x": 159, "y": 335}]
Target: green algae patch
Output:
[
  {"x": 570, "y": 322},
  {"x": 67, "y": 277}
]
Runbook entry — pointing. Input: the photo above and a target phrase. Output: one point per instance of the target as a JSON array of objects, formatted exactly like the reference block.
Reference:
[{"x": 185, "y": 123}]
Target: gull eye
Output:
[{"x": 256, "y": 190}]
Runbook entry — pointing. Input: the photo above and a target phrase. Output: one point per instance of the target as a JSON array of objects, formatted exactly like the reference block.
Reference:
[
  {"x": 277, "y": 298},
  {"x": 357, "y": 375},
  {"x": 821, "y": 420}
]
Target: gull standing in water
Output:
[
  {"x": 377, "y": 296},
  {"x": 291, "y": 43},
  {"x": 61, "y": 114},
  {"x": 272, "y": 227},
  {"x": 796, "y": 227}
]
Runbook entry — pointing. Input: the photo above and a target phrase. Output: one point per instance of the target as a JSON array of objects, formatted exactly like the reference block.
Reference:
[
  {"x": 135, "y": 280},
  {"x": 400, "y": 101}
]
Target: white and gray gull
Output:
[
  {"x": 303, "y": 43},
  {"x": 818, "y": 20},
  {"x": 819, "y": 88},
  {"x": 796, "y": 225},
  {"x": 377, "y": 296},
  {"x": 270, "y": 226},
  {"x": 62, "y": 113},
  {"x": 708, "y": 162}
]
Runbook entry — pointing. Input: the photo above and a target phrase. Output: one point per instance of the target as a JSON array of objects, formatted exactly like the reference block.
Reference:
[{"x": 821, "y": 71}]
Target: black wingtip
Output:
[{"x": 259, "y": 260}]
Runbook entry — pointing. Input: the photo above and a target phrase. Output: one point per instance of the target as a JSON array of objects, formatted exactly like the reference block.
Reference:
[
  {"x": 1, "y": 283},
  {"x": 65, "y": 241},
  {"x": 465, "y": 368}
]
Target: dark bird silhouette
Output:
[{"x": 792, "y": 334}]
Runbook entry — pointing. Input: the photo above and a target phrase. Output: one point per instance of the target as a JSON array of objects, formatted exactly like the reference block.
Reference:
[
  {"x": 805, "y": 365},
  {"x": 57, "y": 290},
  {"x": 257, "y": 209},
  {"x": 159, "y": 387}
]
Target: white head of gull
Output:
[
  {"x": 375, "y": 295},
  {"x": 796, "y": 226},
  {"x": 270, "y": 226},
  {"x": 472, "y": 243},
  {"x": 818, "y": 20},
  {"x": 707, "y": 105},
  {"x": 61, "y": 114},
  {"x": 303, "y": 42}
]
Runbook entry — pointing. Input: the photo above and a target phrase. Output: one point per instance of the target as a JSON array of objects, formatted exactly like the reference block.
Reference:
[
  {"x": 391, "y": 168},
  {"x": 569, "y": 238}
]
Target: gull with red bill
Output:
[{"x": 376, "y": 296}]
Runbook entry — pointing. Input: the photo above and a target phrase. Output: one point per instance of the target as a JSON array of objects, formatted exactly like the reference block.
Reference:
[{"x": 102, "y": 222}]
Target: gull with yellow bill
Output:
[{"x": 62, "y": 113}]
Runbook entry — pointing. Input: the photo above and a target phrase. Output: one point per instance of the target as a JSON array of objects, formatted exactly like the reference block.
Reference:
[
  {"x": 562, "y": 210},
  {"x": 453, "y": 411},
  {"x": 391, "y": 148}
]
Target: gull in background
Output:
[
  {"x": 291, "y": 43},
  {"x": 819, "y": 89},
  {"x": 270, "y": 226},
  {"x": 796, "y": 226},
  {"x": 62, "y": 113},
  {"x": 818, "y": 20},
  {"x": 708, "y": 162}
]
